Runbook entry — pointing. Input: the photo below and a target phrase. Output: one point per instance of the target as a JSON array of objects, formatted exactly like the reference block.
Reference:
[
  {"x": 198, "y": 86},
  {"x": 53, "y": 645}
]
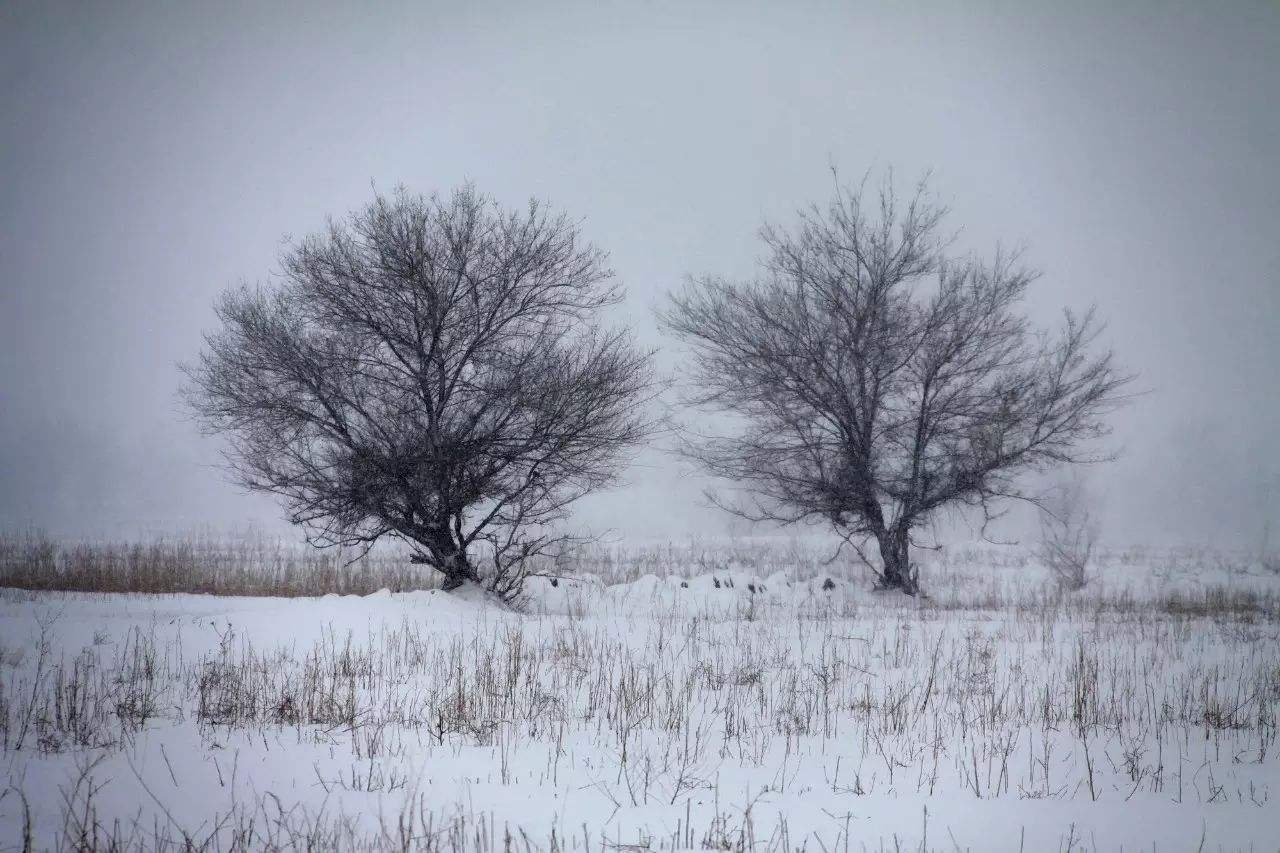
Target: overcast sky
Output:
[{"x": 151, "y": 156}]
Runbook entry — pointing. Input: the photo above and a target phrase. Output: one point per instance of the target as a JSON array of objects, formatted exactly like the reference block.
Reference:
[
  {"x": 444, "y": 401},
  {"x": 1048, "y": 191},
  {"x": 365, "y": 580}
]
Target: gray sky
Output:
[{"x": 151, "y": 156}]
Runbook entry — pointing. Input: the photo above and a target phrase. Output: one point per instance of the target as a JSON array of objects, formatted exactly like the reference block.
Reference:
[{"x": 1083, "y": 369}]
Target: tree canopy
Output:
[
  {"x": 430, "y": 369},
  {"x": 874, "y": 379}
]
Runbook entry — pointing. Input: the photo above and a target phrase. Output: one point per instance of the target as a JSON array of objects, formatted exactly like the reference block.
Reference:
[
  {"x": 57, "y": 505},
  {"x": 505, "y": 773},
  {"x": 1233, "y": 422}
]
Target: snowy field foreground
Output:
[{"x": 718, "y": 710}]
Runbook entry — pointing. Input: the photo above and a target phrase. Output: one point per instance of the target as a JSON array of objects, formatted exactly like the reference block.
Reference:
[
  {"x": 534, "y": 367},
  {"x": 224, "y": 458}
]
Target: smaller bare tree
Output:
[
  {"x": 876, "y": 381},
  {"x": 1068, "y": 534},
  {"x": 429, "y": 370}
]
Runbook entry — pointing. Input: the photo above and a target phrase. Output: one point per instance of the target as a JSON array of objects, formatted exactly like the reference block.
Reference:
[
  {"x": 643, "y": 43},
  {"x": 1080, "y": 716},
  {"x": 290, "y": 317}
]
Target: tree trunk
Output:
[
  {"x": 457, "y": 570},
  {"x": 455, "y": 567},
  {"x": 895, "y": 553}
]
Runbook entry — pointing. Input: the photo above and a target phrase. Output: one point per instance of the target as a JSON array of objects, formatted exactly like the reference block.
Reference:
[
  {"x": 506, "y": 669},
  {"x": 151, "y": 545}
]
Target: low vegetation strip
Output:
[{"x": 208, "y": 566}]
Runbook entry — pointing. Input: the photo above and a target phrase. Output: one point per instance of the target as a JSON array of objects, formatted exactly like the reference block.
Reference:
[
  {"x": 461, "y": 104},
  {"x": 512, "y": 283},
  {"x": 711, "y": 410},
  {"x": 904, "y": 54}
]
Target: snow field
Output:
[{"x": 724, "y": 710}]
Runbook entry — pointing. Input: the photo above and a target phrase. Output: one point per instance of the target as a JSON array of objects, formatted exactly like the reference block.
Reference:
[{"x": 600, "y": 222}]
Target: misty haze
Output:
[{"x": 604, "y": 426}]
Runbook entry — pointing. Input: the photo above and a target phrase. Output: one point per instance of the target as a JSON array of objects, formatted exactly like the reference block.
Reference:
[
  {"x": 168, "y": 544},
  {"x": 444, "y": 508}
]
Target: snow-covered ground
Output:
[{"x": 712, "y": 707}]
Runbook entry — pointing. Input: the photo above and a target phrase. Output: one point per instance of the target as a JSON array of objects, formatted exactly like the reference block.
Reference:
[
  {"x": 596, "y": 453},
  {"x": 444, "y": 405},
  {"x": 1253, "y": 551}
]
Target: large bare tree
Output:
[
  {"x": 428, "y": 369},
  {"x": 872, "y": 380}
]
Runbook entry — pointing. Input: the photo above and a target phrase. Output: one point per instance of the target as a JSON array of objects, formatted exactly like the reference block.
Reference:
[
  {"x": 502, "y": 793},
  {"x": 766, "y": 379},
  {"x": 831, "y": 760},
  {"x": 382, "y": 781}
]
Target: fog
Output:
[{"x": 153, "y": 156}]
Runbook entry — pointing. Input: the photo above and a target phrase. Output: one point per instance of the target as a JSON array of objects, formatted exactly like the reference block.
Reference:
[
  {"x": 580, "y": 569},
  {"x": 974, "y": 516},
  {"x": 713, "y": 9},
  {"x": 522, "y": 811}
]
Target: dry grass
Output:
[
  {"x": 1181, "y": 580},
  {"x": 212, "y": 566}
]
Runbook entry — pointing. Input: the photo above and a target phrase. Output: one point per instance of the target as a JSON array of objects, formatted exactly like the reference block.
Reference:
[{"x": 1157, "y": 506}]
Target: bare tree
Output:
[
  {"x": 430, "y": 370},
  {"x": 876, "y": 380},
  {"x": 1068, "y": 533}
]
